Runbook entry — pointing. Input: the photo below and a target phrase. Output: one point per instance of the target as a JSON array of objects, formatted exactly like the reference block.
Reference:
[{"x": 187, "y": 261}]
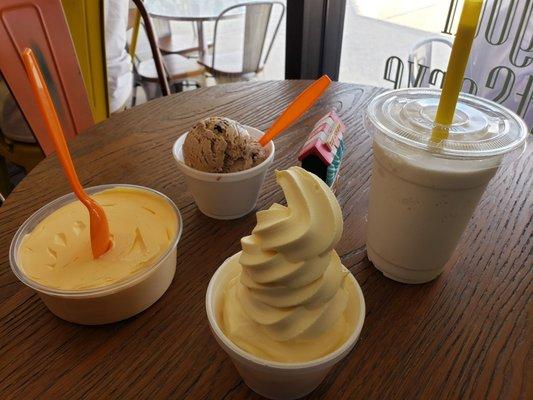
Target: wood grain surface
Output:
[{"x": 466, "y": 335}]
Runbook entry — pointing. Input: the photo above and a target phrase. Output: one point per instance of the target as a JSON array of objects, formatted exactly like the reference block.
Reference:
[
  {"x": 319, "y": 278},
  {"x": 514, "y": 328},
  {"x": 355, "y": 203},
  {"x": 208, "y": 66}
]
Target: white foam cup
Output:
[
  {"x": 275, "y": 380},
  {"x": 224, "y": 195}
]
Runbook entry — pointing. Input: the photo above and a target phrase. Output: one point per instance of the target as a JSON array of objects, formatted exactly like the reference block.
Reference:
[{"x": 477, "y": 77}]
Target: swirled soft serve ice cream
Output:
[
  {"x": 57, "y": 253},
  {"x": 290, "y": 301}
]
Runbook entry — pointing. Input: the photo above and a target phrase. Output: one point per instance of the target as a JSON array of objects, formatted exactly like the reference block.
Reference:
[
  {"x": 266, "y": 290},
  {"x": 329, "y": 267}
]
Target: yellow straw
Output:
[{"x": 456, "y": 69}]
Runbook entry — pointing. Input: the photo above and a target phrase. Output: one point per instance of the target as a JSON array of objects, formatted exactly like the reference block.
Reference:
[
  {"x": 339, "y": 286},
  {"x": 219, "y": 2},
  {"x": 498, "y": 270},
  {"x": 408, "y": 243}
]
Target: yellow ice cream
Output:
[
  {"x": 292, "y": 300},
  {"x": 57, "y": 253}
]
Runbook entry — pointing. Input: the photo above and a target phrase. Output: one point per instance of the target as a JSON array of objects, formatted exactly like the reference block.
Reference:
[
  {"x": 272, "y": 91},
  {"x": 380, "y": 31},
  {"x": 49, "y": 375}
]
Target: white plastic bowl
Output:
[
  {"x": 224, "y": 195},
  {"x": 105, "y": 304},
  {"x": 274, "y": 380}
]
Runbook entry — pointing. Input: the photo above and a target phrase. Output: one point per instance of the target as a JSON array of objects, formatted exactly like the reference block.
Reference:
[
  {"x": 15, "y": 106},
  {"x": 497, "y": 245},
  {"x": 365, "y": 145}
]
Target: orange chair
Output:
[{"x": 41, "y": 25}]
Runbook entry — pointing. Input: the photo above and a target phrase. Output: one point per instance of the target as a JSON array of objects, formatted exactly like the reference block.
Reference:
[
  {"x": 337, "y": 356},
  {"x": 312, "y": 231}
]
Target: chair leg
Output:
[
  {"x": 151, "y": 89},
  {"x": 134, "y": 95},
  {"x": 221, "y": 79},
  {"x": 5, "y": 183},
  {"x": 195, "y": 33},
  {"x": 202, "y": 80},
  {"x": 177, "y": 87}
]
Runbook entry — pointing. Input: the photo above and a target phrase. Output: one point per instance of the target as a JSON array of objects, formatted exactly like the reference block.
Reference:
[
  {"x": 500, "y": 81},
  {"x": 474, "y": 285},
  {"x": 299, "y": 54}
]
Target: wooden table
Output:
[{"x": 466, "y": 335}]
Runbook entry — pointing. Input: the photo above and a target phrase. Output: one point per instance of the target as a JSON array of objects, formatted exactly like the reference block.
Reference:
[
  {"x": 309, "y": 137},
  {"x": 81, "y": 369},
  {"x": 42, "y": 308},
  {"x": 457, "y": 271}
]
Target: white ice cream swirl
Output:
[{"x": 289, "y": 302}]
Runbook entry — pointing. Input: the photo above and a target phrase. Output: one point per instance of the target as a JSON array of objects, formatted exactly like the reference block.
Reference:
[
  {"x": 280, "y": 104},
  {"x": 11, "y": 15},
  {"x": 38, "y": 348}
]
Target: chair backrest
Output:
[
  {"x": 41, "y": 25},
  {"x": 152, "y": 40},
  {"x": 421, "y": 59},
  {"x": 257, "y": 20},
  {"x": 161, "y": 27}
]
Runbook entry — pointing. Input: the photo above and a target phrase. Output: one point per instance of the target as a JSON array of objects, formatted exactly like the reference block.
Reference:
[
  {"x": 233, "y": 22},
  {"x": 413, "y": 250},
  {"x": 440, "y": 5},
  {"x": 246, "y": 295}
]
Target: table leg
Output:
[{"x": 202, "y": 48}]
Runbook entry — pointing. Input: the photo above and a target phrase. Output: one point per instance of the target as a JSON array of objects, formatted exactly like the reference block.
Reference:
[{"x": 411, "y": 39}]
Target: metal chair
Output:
[
  {"x": 251, "y": 60},
  {"x": 421, "y": 60},
  {"x": 178, "y": 68},
  {"x": 169, "y": 42}
]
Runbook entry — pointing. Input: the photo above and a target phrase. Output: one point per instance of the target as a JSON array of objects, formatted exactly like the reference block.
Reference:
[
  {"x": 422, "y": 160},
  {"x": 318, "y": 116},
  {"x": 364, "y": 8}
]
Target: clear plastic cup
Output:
[
  {"x": 224, "y": 195},
  {"x": 423, "y": 194},
  {"x": 275, "y": 380},
  {"x": 105, "y": 304}
]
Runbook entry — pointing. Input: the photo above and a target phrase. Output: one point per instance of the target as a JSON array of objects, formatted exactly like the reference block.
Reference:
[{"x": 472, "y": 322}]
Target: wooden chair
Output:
[
  {"x": 179, "y": 69},
  {"x": 162, "y": 75},
  {"x": 252, "y": 58}
]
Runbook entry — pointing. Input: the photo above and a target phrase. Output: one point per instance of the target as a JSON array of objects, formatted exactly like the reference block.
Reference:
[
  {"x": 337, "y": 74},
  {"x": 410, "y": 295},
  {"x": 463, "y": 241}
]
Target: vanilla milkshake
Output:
[{"x": 422, "y": 194}]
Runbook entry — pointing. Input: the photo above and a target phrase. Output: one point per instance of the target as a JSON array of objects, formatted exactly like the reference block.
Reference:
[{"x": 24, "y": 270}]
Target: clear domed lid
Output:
[{"x": 481, "y": 128}]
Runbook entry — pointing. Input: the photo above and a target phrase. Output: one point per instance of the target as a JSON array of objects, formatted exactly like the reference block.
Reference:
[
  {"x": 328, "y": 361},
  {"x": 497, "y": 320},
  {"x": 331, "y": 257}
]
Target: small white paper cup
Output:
[
  {"x": 275, "y": 380},
  {"x": 224, "y": 195}
]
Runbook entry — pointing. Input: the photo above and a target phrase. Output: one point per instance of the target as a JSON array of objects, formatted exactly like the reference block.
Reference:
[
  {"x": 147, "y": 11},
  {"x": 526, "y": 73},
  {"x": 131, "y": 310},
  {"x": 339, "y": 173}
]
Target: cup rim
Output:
[
  {"x": 332, "y": 357},
  {"x": 36, "y": 217},
  {"x": 378, "y": 123},
  {"x": 178, "y": 144}
]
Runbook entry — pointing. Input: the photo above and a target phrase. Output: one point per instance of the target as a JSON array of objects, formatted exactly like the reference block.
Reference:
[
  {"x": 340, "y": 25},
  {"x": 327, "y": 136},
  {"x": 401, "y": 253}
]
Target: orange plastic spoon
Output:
[
  {"x": 300, "y": 105},
  {"x": 99, "y": 227}
]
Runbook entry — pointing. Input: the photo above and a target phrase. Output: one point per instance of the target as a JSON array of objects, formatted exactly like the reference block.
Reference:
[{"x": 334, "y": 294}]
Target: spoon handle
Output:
[
  {"x": 55, "y": 131},
  {"x": 301, "y": 104}
]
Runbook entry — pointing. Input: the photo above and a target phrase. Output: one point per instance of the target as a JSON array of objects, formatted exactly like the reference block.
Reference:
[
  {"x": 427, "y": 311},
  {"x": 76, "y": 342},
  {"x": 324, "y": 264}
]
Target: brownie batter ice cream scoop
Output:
[{"x": 219, "y": 144}]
